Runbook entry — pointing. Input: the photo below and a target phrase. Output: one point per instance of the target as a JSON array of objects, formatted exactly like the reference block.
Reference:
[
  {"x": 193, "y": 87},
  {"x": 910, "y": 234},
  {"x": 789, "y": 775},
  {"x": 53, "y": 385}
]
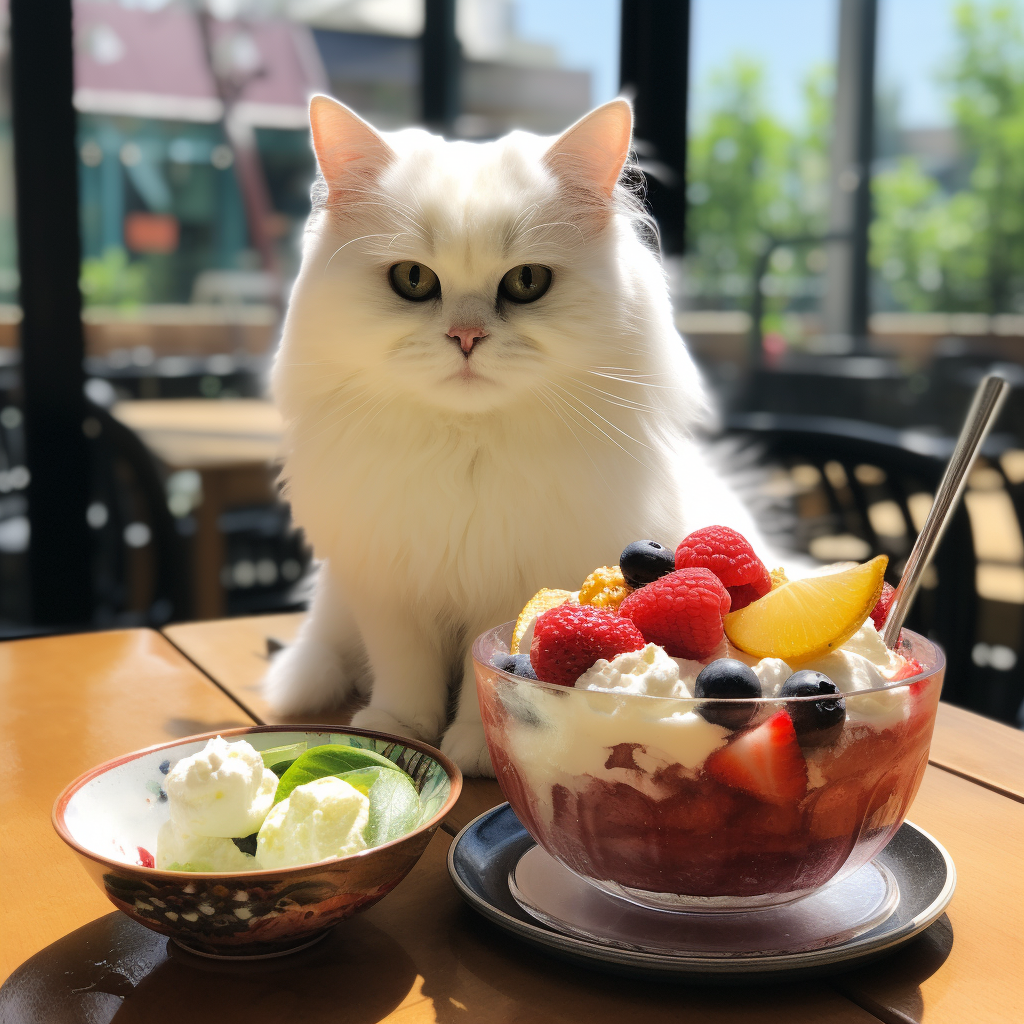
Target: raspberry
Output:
[
  {"x": 568, "y": 639},
  {"x": 881, "y": 610},
  {"x": 604, "y": 588},
  {"x": 682, "y": 612},
  {"x": 730, "y": 557}
]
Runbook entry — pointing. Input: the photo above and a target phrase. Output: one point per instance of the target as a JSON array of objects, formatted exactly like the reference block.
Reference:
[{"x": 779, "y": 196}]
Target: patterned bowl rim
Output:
[{"x": 61, "y": 803}]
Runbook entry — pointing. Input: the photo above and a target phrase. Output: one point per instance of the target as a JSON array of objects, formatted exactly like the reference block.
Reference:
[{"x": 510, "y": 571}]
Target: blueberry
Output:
[
  {"x": 645, "y": 561},
  {"x": 731, "y": 679},
  {"x": 816, "y": 722},
  {"x": 517, "y": 664}
]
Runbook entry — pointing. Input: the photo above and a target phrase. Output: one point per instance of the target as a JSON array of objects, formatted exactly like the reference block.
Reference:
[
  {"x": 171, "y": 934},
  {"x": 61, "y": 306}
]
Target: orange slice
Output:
[
  {"x": 542, "y": 601},
  {"x": 808, "y": 618}
]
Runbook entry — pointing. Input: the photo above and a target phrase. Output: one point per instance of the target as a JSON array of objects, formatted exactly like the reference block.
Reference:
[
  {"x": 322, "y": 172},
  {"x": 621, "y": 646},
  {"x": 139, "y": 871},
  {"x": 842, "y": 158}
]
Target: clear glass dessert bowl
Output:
[{"x": 633, "y": 793}]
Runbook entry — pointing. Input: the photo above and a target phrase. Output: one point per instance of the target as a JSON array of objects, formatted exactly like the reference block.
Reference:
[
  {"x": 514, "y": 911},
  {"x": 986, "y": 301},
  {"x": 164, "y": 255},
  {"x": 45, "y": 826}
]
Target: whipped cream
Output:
[
  {"x": 222, "y": 792},
  {"x": 648, "y": 671},
  {"x": 182, "y": 851},
  {"x": 865, "y": 663},
  {"x": 608, "y": 734},
  {"x": 324, "y": 818}
]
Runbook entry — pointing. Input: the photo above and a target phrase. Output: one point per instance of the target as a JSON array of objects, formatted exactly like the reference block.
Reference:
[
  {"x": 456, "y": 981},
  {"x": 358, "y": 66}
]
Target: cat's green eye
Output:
[
  {"x": 525, "y": 283},
  {"x": 414, "y": 281}
]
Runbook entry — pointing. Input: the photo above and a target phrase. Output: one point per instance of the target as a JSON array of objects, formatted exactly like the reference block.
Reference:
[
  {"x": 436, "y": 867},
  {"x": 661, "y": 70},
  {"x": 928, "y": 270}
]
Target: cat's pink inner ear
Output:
[
  {"x": 344, "y": 142},
  {"x": 595, "y": 148}
]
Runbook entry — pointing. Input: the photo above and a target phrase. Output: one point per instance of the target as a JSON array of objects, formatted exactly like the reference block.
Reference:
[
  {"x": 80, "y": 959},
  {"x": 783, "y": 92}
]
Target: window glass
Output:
[
  {"x": 194, "y": 173},
  {"x": 760, "y": 110},
  {"x": 949, "y": 226},
  {"x": 535, "y": 64}
]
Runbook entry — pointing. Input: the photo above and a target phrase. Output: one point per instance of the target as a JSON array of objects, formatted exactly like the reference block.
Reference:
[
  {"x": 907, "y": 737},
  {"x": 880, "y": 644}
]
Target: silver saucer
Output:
[{"x": 491, "y": 848}]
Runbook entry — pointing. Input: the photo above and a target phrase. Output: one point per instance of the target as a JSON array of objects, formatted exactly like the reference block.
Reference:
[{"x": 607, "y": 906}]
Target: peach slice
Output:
[{"x": 808, "y": 618}]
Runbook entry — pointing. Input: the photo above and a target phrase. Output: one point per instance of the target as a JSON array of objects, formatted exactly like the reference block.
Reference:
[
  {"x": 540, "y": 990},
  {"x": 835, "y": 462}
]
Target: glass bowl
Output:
[{"x": 616, "y": 786}]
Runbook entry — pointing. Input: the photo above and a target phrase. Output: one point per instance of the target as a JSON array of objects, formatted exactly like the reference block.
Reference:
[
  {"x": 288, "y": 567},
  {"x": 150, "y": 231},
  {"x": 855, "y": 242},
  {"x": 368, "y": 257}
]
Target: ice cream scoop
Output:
[
  {"x": 182, "y": 851},
  {"x": 223, "y": 791},
  {"x": 321, "y": 819}
]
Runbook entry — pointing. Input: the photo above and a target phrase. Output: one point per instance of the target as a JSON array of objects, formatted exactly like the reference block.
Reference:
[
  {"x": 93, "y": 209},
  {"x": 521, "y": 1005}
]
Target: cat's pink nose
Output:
[{"x": 467, "y": 336}]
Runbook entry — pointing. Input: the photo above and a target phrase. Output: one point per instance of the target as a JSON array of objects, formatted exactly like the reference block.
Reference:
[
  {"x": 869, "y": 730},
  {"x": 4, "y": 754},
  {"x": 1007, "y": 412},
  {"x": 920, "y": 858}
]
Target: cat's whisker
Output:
[
  {"x": 586, "y": 425},
  {"x": 362, "y": 238},
  {"x": 620, "y": 401},
  {"x": 589, "y": 408},
  {"x": 558, "y": 224},
  {"x": 510, "y": 234},
  {"x": 626, "y": 376},
  {"x": 614, "y": 426},
  {"x": 336, "y": 412},
  {"x": 635, "y": 380},
  {"x": 554, "y": 409}
]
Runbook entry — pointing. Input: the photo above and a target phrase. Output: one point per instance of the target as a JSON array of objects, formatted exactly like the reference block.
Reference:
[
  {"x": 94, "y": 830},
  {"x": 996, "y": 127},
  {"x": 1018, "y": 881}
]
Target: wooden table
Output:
[
  {"x": 233, "y": 445},
  {"x": 420, "y": 955}
]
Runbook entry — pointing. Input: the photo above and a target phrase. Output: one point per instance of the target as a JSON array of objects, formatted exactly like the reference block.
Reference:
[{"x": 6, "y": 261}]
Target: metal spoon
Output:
[{"x": 988, "y": 400}]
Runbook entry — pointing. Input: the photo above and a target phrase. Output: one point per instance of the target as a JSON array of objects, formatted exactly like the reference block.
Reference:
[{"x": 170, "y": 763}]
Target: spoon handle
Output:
[{"x": 988, "y": 400}]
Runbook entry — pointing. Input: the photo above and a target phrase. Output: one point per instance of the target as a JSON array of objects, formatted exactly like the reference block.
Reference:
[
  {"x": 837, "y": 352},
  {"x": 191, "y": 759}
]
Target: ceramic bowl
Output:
[
  {"x": 110, "y": 817},
  {"x": 678, "y": 805}
]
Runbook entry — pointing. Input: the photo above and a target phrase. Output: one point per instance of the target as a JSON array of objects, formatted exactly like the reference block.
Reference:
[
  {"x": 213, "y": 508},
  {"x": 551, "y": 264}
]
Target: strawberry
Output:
[
  {"x": 730, "y": 557},
  {"x": 910, "y": 668},
  {"x": 881, "y": 610},
  {"x": 681, "y": 611},
  {"x": 570, "y": 638},
  {"x": 766, "y": 761}
]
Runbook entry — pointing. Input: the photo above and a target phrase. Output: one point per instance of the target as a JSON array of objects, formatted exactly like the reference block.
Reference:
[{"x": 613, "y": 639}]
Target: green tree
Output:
[
  {"x": 964, "y": 250},
  {"x": 750, "y": 177},
  {"x": 112, "y": 280}
]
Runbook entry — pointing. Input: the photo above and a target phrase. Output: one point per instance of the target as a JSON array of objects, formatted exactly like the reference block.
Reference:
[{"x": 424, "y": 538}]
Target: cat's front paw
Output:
[
  {"x": 464, "y": 743},
  {"x": 382, "y": 721},
  {"x": 305, "y": 676}
]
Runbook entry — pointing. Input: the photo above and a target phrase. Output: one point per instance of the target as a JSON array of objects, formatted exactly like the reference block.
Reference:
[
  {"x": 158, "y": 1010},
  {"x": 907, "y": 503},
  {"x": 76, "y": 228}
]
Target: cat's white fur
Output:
[{"x": 442, "y": 489}]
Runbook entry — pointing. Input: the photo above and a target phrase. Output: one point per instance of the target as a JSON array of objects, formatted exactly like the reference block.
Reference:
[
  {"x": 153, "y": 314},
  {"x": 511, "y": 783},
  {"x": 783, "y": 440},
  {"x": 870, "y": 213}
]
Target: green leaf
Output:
[
  {"x": 277, "y": 755},
  {"x": 281, "y": 767},
  {"x": 331, "y": 759},
  {"x": 395, "y": 807}
]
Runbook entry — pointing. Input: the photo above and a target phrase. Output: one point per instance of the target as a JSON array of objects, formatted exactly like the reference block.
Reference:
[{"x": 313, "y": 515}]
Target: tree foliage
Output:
[
  {"x": 934, "y": 247},
  {"x": 964, "y": 249},
  {"x": 750, "y": 176}
]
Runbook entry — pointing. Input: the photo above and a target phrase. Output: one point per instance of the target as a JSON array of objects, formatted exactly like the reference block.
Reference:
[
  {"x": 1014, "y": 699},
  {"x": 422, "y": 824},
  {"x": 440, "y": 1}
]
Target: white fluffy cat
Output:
[{"x": 484, "y": 395}]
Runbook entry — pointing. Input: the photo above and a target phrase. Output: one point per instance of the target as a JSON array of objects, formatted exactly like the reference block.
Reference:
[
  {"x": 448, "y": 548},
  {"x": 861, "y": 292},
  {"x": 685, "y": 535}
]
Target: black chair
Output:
[
  {"x": 844, "y": 471},
  {"x": 141, "y": 560}
]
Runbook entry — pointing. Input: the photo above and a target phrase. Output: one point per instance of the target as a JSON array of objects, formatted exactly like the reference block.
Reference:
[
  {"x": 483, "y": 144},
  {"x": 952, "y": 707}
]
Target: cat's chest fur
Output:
[{"x": 476, "y": 515}]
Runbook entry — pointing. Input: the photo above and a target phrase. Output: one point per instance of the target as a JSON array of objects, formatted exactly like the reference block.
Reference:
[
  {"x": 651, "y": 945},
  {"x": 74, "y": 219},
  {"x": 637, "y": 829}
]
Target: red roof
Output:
[{"x": 154, "y": 64}]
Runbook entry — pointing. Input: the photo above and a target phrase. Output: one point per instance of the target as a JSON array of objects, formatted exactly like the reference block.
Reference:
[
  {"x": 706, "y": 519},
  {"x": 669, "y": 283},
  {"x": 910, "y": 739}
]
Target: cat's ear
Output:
[
  {"x": 344, "y": 143},
  {"x": 594, "y": 150}
]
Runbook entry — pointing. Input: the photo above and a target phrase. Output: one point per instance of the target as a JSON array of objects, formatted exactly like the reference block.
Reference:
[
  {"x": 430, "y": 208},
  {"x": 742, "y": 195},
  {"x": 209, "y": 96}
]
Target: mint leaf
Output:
[
  {"x": 330, "y": 759},
  {"x": 394, "y": 803},
  {"x": 276, "y": 755}
]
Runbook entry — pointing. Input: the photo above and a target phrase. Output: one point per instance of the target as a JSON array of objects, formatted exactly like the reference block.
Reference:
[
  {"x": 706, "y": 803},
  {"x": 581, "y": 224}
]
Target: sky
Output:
[
  {"x": 788, "y": 37},
  {"x": 791, "y": 37},
  {"x": 585, "y": 33}
]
